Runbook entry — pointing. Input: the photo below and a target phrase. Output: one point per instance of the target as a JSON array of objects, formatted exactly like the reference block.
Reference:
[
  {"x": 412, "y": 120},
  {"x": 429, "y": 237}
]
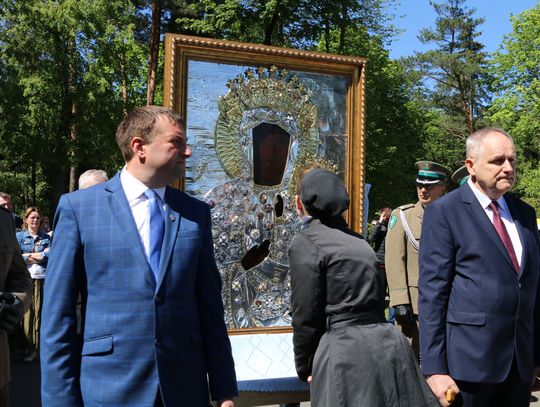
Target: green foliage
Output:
[
  {"x": 515, "y": 70},
  {"x": 456, "y": 64},
  {"x": 72, "y": 70},
  {"x": 69, "y": 70},
  {"x": 450, "y": 82},
  {"x": 296, "y": 23},
  {"x": 393, "y": 122}
]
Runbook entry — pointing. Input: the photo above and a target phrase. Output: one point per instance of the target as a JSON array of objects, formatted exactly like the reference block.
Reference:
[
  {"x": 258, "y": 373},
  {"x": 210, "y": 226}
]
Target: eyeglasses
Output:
[{"x": 428, "y": 187}]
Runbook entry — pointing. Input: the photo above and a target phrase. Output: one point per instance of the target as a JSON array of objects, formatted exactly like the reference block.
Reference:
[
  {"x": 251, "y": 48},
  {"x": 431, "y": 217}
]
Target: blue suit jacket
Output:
[
  {"x": 138, "y": 333},
  {"x": 475, "y": 311}
]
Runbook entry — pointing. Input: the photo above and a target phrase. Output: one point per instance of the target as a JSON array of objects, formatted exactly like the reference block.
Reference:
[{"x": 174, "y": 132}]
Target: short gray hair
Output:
[
  {"x": 474, "y": 141},
  {"x": 92, "y": 177}
]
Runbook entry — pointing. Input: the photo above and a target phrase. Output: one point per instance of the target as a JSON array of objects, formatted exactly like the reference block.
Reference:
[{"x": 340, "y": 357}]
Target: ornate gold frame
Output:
[{"x": 180, "y": 49}]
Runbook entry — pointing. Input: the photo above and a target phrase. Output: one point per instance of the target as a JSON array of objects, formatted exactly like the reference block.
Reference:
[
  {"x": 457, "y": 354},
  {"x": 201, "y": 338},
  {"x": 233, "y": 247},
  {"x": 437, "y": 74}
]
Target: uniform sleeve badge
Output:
[{"x": 393, "y": 221}]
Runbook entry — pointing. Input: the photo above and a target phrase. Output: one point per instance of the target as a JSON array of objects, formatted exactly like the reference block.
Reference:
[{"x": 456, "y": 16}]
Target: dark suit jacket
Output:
[
  {"x": 138, "y": 333},
  {"x": 14, "y": 278},
  {"x": 475, "y": 311}
]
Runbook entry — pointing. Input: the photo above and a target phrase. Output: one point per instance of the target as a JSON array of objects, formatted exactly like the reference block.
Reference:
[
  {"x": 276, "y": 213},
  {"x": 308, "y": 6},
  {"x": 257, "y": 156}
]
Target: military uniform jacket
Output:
[
  {"x": 401, "y": 256},
  {"x": 13, "y": 278}
]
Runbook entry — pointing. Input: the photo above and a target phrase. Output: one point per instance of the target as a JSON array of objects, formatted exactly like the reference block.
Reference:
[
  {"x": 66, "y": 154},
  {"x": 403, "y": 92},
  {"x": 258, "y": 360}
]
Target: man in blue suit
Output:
[
  {"x": 153, "y": 327},
  {"x": 479, "y": 304}
]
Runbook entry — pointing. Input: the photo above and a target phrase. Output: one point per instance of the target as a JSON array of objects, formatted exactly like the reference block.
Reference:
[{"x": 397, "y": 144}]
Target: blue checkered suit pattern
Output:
[{"x": 138, "y": 333}]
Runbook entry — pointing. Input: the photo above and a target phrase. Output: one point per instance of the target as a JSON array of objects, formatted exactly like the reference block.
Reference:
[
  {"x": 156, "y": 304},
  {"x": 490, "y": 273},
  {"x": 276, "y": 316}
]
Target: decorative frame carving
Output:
[{"x": 274, "y": 64}]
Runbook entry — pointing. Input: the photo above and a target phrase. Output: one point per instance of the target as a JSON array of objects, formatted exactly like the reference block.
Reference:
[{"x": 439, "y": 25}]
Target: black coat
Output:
[
  {"x": 333, "y": 271},
  {"x": 334, "y": 276}
]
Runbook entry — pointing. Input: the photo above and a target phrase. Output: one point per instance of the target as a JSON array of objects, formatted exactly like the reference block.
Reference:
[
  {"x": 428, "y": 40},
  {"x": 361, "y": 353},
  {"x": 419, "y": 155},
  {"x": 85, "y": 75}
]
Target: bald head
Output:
[
  {"x": 92, "y": 177},
  {"x": 476, "y": 140},
  {"x": 491, "y": 162}
]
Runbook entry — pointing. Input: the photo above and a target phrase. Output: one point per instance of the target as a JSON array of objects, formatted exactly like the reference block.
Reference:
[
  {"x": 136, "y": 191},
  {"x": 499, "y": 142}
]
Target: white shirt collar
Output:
[
  {"x": 484, "y": 200},
  {"x": 134, "y": 189}
]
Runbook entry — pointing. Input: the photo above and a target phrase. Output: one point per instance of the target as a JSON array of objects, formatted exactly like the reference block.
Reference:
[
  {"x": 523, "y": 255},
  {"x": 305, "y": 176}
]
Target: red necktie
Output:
[{"x": 503, "y": 233}]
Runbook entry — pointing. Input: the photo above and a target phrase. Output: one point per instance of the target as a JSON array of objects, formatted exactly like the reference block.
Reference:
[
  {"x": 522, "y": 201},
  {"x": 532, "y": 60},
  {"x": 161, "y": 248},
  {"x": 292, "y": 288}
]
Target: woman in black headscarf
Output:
[{"x": 342, "y": 343}]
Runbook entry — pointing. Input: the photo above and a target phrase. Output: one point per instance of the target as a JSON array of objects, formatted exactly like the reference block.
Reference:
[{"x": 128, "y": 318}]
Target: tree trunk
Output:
[
  {"x": 465, "y": 107},
  {"x": 326, "y": 33},
  {"x": 154, "y": 51},
  {"x": 270, "y": 28},
  {"x": 343, "y": 25},
  {"x": 471, "y": 108},
  {"x": 34, "y": 180},
  {"x": 123, "y": 77}
]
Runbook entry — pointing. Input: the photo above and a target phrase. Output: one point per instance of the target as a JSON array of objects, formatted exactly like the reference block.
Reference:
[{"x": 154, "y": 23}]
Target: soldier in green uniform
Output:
[{"x": 402, "y": 245}]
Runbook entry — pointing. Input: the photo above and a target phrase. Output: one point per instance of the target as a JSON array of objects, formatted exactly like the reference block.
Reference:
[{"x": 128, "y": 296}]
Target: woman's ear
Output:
[{"x": 299, "y": 206}]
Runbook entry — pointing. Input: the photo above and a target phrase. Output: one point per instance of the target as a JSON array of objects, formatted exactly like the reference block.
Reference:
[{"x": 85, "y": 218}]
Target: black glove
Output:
[
  {"x": 11, "y": 311},
  {"x": 404, "y": 314}
]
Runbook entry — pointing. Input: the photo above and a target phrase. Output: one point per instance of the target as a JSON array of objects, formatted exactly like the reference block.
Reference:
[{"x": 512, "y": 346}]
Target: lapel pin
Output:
[{"x": 172, "y": 218}]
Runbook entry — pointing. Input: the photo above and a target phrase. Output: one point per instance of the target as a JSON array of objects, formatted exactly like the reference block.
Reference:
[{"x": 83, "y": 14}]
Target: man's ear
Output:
[
  {"x": 469, "y": 163},
  {"x": 137, "y": 147}
]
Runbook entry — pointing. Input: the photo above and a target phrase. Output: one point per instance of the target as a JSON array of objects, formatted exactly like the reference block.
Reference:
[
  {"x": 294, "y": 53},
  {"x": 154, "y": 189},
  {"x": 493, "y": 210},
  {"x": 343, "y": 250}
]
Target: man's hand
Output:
[
  {"x": 11, "y": 311},
  {"x": 225, "y": 403},
  {"x": 404, "y": 314},
  {"x": 440, "y": 384}
]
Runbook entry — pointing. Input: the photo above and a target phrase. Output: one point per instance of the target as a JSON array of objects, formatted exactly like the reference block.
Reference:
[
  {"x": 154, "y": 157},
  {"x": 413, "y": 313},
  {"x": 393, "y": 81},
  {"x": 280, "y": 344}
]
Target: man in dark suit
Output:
[
  {"x": 15, "y": 287},
  {"x": 141, "y": 254},
  {"x": 479, "y": 266}
]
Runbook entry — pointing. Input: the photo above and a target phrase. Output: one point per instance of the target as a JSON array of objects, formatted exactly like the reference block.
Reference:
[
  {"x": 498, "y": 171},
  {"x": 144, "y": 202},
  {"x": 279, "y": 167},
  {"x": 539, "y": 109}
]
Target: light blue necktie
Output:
[{"x": 156, "y": 229}]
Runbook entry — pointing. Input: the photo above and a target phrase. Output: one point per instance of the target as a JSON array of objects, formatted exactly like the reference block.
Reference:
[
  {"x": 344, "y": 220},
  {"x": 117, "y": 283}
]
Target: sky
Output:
[{"x": 418, "y": 14}]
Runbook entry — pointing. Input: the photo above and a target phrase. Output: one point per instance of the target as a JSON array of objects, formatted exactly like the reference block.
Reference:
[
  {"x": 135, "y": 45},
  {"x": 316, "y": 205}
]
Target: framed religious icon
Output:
[{"x": 254, "y": 116}]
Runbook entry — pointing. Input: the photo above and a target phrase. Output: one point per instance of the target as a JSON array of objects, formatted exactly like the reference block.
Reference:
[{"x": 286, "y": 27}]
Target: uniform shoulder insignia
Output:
[
  {"x": 394, "y": 217},
  {"x": 405, "y": 207},
  {"x": 393, "y": 220}
]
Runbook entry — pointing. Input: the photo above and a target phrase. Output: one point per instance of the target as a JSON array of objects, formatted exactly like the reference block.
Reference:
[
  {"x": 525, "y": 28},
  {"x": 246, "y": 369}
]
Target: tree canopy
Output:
[
  {"x": 70, "y": 70},
  {"x": 515, "y": 73}
]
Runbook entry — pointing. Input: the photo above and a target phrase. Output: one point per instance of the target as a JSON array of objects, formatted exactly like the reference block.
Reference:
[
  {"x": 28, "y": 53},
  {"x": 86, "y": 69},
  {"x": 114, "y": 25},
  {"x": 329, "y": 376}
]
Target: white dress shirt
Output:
[
  {"x": 134, "y": 190},
  {"x": 506, "y": 217}
]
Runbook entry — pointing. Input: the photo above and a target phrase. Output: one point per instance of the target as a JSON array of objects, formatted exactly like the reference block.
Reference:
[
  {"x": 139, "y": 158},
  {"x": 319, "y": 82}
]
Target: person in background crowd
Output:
[
  {"x": 7, "y": 203},
  {"x": 402, "y": 243},
  {"x": 377, "y": 236},
  {"x": 34, "y": 244},
  {"x": 479, "y": 284},
  {"x": 46, "y": 225},
  {"x": 142, "y": 255},
  {"x": 343, "y": 345},
  {"x": 15, "y": 287},
  {"x": 92, "y": 177}
]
